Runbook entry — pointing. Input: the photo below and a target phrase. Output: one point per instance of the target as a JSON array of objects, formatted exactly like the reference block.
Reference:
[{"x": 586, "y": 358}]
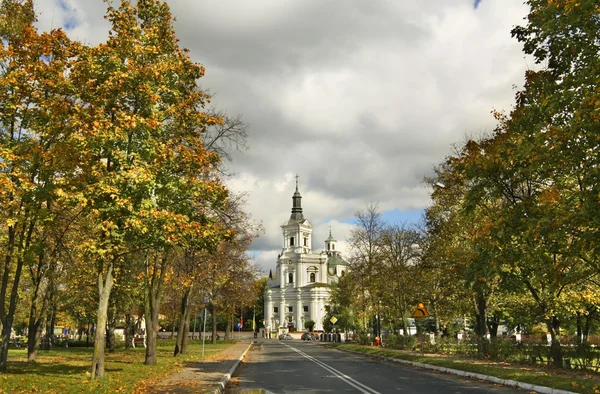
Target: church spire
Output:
[
  {"x": 297, "y": 204},
  {"x": 330, "y": 242}
]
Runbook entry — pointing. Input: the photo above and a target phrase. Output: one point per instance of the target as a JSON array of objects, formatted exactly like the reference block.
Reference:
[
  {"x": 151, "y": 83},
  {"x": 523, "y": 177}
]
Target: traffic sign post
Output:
[
  {"x": 421, "y": 312},
  {"x": 333, "y": 320}
]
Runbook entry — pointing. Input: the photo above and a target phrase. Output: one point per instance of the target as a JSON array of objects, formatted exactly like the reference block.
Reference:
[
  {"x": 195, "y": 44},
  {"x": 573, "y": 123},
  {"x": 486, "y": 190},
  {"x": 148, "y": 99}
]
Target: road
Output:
[{"x": 274, "y": 366}]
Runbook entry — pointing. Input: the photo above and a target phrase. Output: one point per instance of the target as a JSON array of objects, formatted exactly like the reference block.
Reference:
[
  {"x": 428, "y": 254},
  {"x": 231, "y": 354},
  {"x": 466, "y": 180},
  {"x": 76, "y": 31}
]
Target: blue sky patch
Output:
[
  {"x": 70, "y": 19},
  {"x": 396, "y": 216},
  {"x": 476, "y": 4}
]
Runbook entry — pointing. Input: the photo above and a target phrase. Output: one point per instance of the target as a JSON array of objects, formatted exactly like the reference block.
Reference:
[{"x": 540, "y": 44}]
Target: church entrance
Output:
[{"x": 290, "y": 324}]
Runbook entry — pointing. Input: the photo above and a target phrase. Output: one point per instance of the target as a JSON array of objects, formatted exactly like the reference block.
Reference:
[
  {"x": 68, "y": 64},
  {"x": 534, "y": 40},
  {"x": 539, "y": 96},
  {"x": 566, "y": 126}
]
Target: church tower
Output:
[
  {"x": 330, "y": 243},
  {"x": 297, "y": 231},
  {"x": 299, "y": 290}
]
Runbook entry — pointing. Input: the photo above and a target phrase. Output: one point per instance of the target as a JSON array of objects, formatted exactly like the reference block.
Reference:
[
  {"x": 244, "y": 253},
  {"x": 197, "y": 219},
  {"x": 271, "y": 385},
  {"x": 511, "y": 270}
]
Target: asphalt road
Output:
[{"x": 274, "y": 366}]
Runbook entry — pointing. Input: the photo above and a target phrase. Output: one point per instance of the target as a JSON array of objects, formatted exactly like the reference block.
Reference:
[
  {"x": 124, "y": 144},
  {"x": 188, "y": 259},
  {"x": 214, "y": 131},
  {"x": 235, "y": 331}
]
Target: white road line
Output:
[{"x": 357, "y": 385}]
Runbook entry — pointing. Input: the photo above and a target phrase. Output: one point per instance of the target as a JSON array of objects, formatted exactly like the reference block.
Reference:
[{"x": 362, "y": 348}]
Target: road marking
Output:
[{"x": 357, "y": 385}]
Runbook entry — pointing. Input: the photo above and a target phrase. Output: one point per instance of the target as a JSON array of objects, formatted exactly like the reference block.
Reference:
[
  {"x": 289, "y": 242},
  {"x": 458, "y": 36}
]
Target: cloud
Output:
[{"x": 362, "y": 99}]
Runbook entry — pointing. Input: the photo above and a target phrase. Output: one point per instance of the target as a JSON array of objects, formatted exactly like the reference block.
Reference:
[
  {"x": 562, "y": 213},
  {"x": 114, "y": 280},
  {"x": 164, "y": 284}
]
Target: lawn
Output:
[
  {"x": 67, "y": 370},
  {"x": 575, "y": 381}
]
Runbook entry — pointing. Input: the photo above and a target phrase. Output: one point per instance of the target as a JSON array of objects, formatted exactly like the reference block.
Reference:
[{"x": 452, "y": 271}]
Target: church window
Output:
[
  {"x": 275, "y": 309},
  {"x": 343, "y": 273},
  {"x": 332, "y": 246},
  {"x": 305, "y": 241},
  {"x": 312, "y": 276},
  {"x": 291, "y": 241},
  {"x": 328, "y": 246},
  {"x": 305, "y": 308},
  {"x": 290, "y": 309},
  {"x": 290, "y": 278}
]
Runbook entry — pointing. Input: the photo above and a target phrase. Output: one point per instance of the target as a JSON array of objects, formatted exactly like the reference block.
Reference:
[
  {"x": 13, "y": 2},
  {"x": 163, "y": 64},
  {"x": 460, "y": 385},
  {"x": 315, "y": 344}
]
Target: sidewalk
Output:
[{"x": 208, "y": 376}]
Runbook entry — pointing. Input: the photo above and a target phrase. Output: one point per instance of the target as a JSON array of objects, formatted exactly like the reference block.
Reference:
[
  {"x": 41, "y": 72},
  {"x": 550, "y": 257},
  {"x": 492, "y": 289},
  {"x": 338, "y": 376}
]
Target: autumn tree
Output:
[
  {"x": 36, "y": 97},
  {"x": 402, "y": 277},
  {"x": 148, "y": 178}
]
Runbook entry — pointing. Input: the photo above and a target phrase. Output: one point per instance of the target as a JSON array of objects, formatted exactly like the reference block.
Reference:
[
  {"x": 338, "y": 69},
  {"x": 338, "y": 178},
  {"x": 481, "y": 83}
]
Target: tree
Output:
[
  {"x": 149, "y": 181},
  {"x": 36, "y": 97},
  {"x": 459, "y": 223},
  {"x": 366, "y": 260},
  {"x": 556, "y": 118}
]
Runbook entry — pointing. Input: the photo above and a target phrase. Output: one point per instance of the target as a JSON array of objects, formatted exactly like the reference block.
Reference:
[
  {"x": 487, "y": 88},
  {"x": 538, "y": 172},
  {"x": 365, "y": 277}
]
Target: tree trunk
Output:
[
  {"x": 34, "y": 334},
  {"x": 110, "y": 336},
  {"x": 129, "y": 330},
  {"x": 186, "y": 333},
  {"x": 153, "y": 289},
  {"x": 493, "y": 322},
  {"x": 553, "y": 327},
  {"x": 579, "y": 338},
  {"x": 49, "y": 330},
  {"x": 7, "y": 316},
  {"x": 37, "y": 312},
  {"x": 184, "y": 318},
  {"x": 589, "y": 318},
  {"x": 151, "y": 334},
  {"x": 228, "y": 329},
  {"x": 36, "y": 319},
  {"x": 214, "y": 323},
  {"x": 104, "y": 288},
  {"x": 481, "y": 305},
  {"x": 87, "y": 334}
]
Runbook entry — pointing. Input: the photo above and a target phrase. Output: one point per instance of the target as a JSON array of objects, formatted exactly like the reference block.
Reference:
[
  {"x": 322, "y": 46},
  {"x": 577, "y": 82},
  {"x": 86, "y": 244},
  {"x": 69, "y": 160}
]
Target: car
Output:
[
  {"x": 308, "y": 337},
  {"x": 285, "y": 337}
]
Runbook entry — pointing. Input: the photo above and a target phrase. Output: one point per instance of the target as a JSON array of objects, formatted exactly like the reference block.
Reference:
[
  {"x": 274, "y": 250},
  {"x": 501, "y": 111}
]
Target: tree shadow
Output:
[{"x": 46, "y": 369}]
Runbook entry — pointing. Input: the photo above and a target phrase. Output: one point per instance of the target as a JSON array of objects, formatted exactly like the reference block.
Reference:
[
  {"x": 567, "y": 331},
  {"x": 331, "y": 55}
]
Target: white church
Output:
[{"x": 300, "y": 287}]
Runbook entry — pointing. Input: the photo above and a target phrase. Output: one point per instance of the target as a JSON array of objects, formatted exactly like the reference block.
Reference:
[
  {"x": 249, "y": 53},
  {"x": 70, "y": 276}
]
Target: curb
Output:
[
  {"x": 223, "y": 382},
  {"x": 473, "y": 375}
]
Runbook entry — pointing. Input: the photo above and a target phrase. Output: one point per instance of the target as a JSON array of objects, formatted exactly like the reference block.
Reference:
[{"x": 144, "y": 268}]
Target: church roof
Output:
[
  {"x": 335, "y": 259},
  {"x": 330, "y": 239}
]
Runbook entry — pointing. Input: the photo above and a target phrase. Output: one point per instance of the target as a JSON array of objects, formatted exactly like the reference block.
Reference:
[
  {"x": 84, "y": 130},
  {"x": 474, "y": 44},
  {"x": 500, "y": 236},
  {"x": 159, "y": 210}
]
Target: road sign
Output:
[
  {"x": 420, "y": 311},
  {"x": 333, "y": 319}
]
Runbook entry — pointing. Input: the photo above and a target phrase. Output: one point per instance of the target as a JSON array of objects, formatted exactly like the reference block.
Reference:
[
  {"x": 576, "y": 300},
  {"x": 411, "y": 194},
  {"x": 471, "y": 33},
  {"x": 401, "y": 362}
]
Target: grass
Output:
[
  {"x": 575, "y": 381},
  {"x": 67, "y": 370}
]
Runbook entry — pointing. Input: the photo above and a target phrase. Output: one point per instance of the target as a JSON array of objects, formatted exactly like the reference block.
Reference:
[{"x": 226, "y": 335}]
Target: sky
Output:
[{"x": 360, "y": 98}]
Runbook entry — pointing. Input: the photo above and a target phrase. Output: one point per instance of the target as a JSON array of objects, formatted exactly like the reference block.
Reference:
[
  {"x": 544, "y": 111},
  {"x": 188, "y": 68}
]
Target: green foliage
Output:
[
  {"x": 309, "y": 325},
  {"x": 105, "y": 176},
  {"x": 517, "y": 213},
  {"x": 64, "y": 369},
  {"x": 403, "y": 342}
]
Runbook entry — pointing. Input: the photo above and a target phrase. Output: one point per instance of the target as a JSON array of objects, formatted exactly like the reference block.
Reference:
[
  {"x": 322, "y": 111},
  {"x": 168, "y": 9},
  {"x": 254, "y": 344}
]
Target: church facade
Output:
[{"x": 300, "y": 288}]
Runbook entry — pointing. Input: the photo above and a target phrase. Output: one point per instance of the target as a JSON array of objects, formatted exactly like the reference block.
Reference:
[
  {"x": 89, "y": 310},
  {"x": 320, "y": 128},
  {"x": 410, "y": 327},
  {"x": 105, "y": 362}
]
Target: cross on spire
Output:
[{"x": 297, "y": 176}]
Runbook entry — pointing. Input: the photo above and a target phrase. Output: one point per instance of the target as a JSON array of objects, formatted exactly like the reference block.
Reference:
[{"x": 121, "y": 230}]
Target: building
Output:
[{"x": 300, "y": 288}]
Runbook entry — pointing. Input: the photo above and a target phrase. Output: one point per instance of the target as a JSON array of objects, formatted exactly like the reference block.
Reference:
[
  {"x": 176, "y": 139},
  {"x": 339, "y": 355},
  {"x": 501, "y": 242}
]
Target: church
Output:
[{"x": 300, "y": 288}]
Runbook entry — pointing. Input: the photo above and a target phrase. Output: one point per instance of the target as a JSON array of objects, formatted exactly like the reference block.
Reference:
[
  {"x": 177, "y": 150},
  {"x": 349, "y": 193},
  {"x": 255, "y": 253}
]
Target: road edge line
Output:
[
  {"x": 227, "y": 376},
  {"x": 492, "y": 379}
]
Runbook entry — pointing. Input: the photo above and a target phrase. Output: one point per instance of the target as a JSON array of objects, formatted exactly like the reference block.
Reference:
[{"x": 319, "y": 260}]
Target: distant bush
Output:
[{"x": 400, "y": 341}]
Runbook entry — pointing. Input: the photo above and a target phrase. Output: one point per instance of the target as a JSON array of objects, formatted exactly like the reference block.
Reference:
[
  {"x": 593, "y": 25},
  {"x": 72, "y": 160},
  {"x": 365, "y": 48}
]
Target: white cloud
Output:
[{"x": 360, "y": 98}]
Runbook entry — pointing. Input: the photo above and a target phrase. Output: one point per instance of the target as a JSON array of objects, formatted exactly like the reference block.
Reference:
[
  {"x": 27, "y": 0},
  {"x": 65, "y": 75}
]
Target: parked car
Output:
[
  {"x": 308, "y": 337},
  {"x": 285, "y": 337}
]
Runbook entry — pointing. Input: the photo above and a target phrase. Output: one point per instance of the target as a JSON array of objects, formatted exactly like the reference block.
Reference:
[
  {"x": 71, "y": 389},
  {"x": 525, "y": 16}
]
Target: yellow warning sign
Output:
[{"x": 420, "y": 311}]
